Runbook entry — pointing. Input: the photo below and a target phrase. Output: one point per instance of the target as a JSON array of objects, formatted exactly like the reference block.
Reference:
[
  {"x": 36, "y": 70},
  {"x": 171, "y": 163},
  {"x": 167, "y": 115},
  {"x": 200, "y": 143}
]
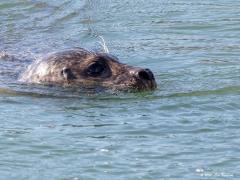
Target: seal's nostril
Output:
[{"x": 145, "y": 75}]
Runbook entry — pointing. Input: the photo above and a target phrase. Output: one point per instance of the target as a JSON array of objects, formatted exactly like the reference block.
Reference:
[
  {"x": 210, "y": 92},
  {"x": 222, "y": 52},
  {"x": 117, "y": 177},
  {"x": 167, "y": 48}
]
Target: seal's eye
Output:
[{"x": 95, "y": 69}]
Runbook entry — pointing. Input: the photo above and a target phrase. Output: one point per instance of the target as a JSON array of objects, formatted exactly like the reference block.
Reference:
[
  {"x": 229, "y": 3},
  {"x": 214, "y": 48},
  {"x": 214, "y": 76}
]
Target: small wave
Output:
[
  {"x": 91, "y": 125},
  {"x": 3, "y": 55},
  {"x": 224, "y": 90}
]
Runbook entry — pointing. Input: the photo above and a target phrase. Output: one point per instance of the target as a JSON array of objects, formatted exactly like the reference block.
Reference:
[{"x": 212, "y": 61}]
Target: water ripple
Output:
[{"x": 188, "y": 128}]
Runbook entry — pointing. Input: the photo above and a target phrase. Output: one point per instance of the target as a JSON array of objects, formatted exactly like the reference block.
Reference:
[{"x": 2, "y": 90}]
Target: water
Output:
[{"x": 187, "y": 129}]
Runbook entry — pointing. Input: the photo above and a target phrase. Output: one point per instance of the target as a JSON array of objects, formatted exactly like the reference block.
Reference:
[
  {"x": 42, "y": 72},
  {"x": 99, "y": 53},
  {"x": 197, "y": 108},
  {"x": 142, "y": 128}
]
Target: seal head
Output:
[{"x": 79, "y": 67}]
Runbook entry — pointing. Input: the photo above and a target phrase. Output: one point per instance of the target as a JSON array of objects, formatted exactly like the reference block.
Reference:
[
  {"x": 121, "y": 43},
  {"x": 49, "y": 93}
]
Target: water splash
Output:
[
  {"x": 91, "y": 16},
  {"x": 3, "y": 55},
  {"x": 103, "y": 44}
]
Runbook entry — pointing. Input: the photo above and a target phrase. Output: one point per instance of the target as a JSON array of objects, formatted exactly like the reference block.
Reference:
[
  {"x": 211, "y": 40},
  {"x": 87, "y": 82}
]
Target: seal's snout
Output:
[
  {"x": 143, "y": 74},
  {"x": 146, "y": 74},
  {"x": 144, "y": 78}
]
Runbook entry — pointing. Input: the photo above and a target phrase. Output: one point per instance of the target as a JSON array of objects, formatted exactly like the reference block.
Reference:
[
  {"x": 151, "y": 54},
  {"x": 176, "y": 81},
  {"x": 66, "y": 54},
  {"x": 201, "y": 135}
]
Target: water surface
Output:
[{"x": 187, "y": 129}]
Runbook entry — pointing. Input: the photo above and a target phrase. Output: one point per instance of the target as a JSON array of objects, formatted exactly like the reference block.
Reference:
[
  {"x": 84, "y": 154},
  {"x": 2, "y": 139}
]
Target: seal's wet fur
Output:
[{"x": 80, "y": 67}]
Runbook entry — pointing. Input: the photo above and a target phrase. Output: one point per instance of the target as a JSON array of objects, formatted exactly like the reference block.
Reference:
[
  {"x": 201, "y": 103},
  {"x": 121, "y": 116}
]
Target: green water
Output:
[{"x": 187, "y": 129}]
